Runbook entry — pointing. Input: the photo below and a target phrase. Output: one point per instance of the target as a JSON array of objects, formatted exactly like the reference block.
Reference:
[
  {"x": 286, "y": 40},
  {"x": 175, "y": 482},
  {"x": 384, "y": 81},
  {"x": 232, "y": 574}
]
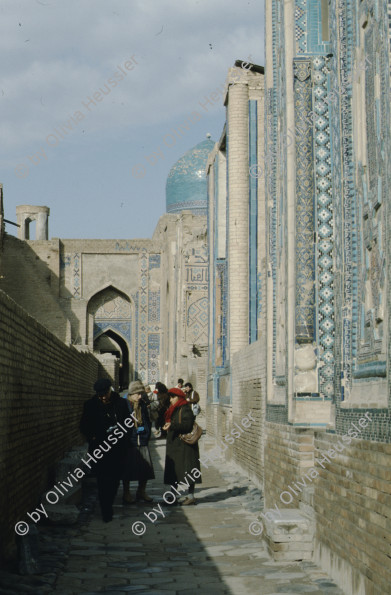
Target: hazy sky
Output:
[{"x": 101, "y": 165}]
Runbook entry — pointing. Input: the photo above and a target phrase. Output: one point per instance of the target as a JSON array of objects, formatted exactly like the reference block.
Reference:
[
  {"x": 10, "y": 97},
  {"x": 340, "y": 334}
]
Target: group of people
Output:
[
  {"x": 160, "y": 402},
  {"x": 121, "y": 428}
]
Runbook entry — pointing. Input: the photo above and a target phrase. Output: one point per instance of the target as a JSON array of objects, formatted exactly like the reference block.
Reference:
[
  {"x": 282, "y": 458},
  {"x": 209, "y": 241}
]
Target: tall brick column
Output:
[{"x": 238, "y": 213}]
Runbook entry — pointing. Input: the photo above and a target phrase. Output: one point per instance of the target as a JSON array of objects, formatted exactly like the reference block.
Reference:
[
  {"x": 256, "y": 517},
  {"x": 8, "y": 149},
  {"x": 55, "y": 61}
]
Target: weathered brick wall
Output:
[
  {"x": 43, "y": 384},
  {"x": 349, "y": 495},
  {"x": 352, "y": 503},
  {"x": 289, "y": 453},
  {"x": 30, "y": 276},
  {"x": 248, "y": 395}
]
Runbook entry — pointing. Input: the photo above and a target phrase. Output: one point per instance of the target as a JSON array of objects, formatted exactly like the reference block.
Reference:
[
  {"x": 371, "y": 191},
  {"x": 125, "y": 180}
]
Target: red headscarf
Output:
[{"x": 181, "y": 401}]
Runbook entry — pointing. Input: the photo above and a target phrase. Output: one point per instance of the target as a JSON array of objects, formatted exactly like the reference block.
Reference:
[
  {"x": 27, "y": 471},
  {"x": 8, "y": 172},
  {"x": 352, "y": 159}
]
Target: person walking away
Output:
[
  {"x": 164, "y": 403},
  {"x": 99, "y": 420},
  {"x": 138, "y": 463},
  {"x": 192, "y": 397},
  {"x": 182, "y": 460}
]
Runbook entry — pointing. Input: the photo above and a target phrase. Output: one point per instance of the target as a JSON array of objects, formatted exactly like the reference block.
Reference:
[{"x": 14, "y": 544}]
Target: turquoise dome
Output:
[{"x": 186, "y": 182}]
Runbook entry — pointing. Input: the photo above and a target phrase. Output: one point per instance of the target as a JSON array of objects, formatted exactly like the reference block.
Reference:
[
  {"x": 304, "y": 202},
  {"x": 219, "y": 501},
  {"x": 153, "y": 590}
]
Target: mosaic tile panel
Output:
[
  {"x": 301, "y": 26},
  {"x": 197, "y": 321},
  {"x": 345, "y": 25},
  {"x": 143, "y": 315},
  {"x": 153, "y": 357},
  {"x": 154, "y": 261},
  {"x": 325, "y": 228},
  {"x": 121, "y": 327},
  {"x": 109, "y": 304},
  {"x": 154, "y": 306},
  {"x": 305, "y": 274}
]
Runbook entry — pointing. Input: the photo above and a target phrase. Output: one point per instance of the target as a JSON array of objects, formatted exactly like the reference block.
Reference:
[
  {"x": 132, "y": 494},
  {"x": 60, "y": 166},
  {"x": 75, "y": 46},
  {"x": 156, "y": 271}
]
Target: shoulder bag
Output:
[{"x": 193, "y": 436}]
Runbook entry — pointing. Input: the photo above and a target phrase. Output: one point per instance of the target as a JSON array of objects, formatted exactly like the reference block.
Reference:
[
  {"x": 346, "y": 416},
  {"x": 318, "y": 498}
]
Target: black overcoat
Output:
[
  {"x": 181, "y": 458},
  {"x": 95, "y": 422}
]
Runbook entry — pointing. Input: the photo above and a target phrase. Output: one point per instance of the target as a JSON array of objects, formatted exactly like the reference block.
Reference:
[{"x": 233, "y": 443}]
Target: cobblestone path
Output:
[{"x": 202, "y": 549}]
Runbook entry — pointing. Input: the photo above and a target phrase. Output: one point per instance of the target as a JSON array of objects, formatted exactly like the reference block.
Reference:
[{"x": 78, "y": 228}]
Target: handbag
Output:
[
  {"x": 196, "y": 408},
  {"x": 193, "y": 436}
]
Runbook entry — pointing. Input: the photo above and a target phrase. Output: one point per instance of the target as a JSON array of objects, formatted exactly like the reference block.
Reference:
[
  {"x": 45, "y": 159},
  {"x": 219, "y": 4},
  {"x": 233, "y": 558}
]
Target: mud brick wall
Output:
[
  {"x": 353, "y": 514},
  {"x": 43, "y": 384}
]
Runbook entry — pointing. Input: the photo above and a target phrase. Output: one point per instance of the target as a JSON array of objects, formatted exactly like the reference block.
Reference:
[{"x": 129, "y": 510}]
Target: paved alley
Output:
[{"x": 198, "y": 549}]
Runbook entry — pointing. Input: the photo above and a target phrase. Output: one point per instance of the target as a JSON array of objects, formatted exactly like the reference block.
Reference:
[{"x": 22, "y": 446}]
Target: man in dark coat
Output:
[
  {"x": 182, "y": 466},
  {"x": 107, "y": 443}
]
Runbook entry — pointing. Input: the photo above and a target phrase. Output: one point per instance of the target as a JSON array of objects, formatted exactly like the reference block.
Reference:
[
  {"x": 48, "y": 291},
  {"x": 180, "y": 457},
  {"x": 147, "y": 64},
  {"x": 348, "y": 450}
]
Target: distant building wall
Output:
[
  {"x": 43, "y": 384},
  {"x": 149, "y": 297},
  {"x": 184, "y": 299}
]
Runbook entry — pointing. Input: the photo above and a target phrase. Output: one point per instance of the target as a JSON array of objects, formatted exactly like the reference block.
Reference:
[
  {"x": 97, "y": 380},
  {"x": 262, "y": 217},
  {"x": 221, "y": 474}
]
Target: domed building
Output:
[{"x": 186, "y": 182}]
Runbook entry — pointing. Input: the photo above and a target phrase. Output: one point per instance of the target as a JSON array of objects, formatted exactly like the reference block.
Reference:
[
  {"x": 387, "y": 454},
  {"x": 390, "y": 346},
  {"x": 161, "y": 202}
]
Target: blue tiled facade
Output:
[{"x": 341, "y": 81}]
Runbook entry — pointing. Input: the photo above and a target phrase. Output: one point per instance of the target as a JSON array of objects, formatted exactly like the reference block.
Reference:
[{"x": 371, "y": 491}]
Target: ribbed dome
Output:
[{"x": 186, "y": 182}]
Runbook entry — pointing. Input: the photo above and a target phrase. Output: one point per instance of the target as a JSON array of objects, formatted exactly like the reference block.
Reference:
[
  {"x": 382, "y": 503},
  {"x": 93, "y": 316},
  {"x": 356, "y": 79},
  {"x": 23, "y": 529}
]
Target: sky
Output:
[{"x": 100, "y": 159}]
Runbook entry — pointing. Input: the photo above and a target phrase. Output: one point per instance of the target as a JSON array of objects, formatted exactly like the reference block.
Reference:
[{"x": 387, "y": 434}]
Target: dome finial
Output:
[{"x": 208, "y": 135}]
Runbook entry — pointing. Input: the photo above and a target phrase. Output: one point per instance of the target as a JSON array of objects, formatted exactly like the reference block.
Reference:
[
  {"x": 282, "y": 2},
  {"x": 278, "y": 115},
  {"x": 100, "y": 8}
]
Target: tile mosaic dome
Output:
[{"x": 186, "y": 182}]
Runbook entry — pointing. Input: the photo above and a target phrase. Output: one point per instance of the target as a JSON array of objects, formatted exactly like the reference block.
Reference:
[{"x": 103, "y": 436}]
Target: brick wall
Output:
[
  {"x": 352, "y": 503},
  {"x": 248, "y": 395},
  {"x": 349, "y": 496},
  {"x": 289, "y": 453},
  {"x": 43, "y": 384}
]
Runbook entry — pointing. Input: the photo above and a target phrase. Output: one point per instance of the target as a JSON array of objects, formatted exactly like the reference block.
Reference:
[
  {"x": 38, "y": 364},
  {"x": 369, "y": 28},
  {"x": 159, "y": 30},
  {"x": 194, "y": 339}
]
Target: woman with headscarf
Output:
[
  {"x": 182, "y": 468},
  {"x": 138, "y": 464}
]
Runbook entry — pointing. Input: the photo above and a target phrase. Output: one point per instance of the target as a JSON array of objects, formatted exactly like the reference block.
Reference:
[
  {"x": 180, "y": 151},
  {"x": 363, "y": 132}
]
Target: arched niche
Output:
[{"x": 110, "y": 316}]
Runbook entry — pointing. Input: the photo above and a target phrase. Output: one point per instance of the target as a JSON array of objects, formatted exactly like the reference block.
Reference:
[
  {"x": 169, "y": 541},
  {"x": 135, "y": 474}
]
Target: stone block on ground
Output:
[{"x": 290, "y": 535}]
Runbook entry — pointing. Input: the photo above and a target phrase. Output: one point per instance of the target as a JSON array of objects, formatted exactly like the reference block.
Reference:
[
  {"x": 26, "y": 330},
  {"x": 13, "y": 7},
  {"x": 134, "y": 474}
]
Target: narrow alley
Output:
[{"x": 205, "y": 548}]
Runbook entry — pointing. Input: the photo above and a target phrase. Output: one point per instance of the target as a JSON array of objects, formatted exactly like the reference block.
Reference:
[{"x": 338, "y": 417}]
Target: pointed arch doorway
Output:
[
  {"x": 110, "y": 316},
  {"x": 111, "y": 342}
]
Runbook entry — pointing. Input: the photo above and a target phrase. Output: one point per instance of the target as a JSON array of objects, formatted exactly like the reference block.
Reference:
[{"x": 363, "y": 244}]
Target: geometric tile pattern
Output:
[
  {"x": 325, "y": 228},
  {"x": 121, "y": 327},
  {"x": 301, "y": 26},
  {"x": 347, "y": 224},
  {"x": 197, "y": 322},
  {"x": 110, "y": 304},
  {"x": 154, "y": 306},
  {"x": 153, "y": 357},
  {"x": 111, "y": 311}
]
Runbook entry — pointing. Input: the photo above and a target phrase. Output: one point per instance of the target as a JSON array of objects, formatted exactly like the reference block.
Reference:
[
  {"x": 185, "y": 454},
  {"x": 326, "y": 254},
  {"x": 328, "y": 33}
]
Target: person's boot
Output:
[
  {"x": 141, "y": 495},
  {"x": 127, "y": 497},
  {"x": 189, "y": 500}
]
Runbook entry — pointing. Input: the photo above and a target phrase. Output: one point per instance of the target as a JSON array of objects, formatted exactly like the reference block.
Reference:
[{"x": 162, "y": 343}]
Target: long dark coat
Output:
[
  {"x": 96, "y": 419},
  {"x": 181, "y": 458}
]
